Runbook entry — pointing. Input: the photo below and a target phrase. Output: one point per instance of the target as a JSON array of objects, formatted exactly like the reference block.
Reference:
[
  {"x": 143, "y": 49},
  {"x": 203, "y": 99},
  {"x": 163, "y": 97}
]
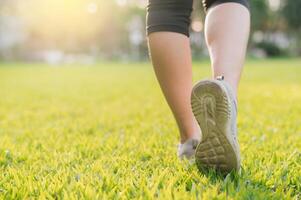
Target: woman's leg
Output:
[
  {"x": 171, "y": 57},
  {"x": 168, "y": 26},
  {"x": 214, "y": 101},
  {"x": 227, "y": 29}
]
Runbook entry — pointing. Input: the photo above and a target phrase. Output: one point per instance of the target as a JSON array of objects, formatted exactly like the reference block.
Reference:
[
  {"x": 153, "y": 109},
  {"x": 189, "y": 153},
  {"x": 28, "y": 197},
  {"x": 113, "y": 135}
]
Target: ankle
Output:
[
  {"x": 185, "y": 138},
  {"x": 232, "y": 81}
]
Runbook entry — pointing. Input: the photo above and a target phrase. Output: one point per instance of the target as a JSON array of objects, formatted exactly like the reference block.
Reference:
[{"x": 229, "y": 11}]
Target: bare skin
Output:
[
  {"x": 227, "y": 28},
  {"x": 171, "y": 57},
  {"x": 226, "y": 31}
]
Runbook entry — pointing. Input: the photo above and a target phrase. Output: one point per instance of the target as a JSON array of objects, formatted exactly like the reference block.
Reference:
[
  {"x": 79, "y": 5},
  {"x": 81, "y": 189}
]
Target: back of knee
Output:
[{"x": 211, "y": 3}]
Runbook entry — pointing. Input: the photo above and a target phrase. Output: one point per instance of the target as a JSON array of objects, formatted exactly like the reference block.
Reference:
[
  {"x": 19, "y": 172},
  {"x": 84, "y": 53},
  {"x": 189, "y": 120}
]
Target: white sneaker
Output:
[
  {"x": 214, "y": 106},
  {"x": 187, "y": 149}
]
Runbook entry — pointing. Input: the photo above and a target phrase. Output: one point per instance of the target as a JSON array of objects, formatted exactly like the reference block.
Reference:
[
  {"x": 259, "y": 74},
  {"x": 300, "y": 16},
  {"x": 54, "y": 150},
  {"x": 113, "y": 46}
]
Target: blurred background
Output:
[{"x": 89, "y": 31}]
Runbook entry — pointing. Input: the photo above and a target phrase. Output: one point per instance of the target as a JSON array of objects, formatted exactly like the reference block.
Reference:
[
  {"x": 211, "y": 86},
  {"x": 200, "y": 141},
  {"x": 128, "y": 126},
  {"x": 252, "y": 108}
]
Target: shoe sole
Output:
[{"x": 210, "y": 105}]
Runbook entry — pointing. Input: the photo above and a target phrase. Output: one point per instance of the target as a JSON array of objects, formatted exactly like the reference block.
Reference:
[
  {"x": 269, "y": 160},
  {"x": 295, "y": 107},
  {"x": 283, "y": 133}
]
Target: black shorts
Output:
[{"x": 174, "y": 15}]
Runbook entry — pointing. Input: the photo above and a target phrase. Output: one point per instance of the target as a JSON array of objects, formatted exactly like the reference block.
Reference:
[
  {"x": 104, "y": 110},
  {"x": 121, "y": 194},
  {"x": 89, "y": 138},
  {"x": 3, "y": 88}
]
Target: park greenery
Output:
[{"x": 116, "y": 29}]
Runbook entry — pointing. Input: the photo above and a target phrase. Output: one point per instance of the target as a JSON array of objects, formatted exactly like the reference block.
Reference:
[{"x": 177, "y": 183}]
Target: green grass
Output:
[{"x": 105, "y": 132}]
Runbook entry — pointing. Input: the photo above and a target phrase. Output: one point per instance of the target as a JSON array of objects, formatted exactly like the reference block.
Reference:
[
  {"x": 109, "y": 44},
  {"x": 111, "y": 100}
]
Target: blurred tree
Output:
[
  {"x": 292, "y": 16},
  {"x": 11, "y": 30},
  {"x": 260, "y": 14},
  {"x": 116, "y": 29}
]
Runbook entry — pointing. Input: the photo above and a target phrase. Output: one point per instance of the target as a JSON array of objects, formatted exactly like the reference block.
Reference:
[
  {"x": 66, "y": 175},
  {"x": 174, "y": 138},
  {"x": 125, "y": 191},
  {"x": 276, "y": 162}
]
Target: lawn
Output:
[{"x": 105, "y": 132}]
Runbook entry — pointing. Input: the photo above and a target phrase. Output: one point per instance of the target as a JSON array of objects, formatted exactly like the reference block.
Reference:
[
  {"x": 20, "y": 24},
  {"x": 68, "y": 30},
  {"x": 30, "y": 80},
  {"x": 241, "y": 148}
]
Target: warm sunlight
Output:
[
  {"x": 68, "y": 18},
  {"x": 150, "y": 99}
]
